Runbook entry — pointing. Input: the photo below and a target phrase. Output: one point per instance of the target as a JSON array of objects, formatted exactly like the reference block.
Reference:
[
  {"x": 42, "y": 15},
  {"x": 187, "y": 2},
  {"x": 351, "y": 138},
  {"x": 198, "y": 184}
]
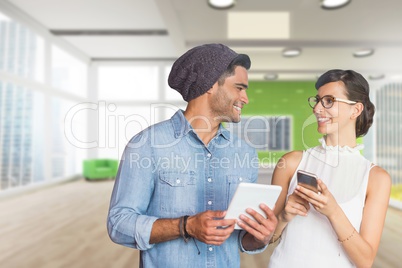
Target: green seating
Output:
[{"x": 98, "y": 169}]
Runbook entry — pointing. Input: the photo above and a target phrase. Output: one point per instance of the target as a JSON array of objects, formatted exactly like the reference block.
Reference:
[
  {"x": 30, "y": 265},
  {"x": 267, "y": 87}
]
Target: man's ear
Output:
[
  {"x": 213, "y": 88},
  {"x": 357, "y": 110}
]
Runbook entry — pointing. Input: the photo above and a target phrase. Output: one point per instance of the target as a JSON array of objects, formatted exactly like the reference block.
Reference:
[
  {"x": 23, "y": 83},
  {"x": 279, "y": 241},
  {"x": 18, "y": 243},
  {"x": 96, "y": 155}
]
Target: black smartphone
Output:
[{"x": 307, "y": 180}]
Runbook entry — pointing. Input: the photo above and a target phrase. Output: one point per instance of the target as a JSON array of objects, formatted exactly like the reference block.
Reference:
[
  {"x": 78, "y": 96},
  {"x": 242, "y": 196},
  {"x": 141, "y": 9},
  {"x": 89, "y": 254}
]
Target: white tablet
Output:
[{"x": 251, "y": 195}]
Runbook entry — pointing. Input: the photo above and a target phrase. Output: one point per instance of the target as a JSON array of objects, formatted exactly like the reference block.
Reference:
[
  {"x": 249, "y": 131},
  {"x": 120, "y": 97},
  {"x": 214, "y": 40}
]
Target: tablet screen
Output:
[{"x": 251, "y": 195}]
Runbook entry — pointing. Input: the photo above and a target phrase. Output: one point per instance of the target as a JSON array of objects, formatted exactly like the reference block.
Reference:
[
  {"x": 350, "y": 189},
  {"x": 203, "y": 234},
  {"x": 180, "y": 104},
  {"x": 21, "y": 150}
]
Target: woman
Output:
[{"x": 341, "y": 224}]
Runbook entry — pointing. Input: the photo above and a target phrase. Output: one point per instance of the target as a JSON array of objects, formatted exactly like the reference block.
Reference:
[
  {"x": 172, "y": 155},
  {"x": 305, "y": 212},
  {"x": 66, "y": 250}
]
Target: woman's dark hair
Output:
[{"x": 357, "y": 89}]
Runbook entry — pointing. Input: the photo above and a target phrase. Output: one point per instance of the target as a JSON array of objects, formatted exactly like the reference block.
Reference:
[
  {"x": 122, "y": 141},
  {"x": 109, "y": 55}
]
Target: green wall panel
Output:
[{"x": 285, "y": 98}]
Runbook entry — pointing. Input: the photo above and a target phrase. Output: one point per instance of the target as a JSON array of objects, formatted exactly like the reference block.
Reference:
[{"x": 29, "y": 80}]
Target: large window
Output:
[
  {"x": 68, "y": 73},
  {"x": 389, "y": 130},
  {"x": 132, "y": 96},
  {"x": 21, "y": 136},
  {"x": 66, "y": 154},
  {"x": 138, "y": 83},
  {"x": 32, "y": 110},
  {"x": 21, "y": 50}
]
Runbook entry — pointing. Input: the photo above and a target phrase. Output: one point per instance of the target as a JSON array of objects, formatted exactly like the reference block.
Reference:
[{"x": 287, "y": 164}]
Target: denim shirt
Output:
[{"x": 167, "y": 172}]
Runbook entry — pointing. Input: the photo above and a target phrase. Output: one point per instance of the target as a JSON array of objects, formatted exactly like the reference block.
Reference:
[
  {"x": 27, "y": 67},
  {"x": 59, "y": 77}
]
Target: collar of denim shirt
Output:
[{"x": 182, "y": 127}]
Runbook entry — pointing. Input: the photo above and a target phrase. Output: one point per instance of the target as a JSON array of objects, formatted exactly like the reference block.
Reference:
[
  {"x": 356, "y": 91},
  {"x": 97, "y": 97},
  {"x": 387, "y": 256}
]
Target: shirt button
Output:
[
  {"x": 208, "y": 155},
  {"x": 209, "y": 180},
  {"x": 210, "y": 249},
  {"x": 177, "y": 181},
  {"x": 240, "y": 179},
  {"x": 210, "y": 202}
]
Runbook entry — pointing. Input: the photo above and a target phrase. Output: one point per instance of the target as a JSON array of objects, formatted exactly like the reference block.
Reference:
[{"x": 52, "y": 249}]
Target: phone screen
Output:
[{"x": 308, "y": 180}]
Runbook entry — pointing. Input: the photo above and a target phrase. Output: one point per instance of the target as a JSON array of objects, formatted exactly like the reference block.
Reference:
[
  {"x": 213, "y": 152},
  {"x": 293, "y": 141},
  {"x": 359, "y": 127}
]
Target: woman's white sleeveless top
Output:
[{"x": 311, "y": 241}]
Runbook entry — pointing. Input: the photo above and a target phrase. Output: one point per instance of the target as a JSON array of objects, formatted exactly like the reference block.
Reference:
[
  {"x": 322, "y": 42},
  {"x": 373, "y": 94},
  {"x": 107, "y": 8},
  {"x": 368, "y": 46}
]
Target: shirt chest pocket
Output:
[
  {"x": 177, "y": 193},
  {"x": 177, "y": 179}
]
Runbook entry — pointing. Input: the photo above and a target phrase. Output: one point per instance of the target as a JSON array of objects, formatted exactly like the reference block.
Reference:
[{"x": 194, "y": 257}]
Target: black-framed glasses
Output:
[{"x": 327, "y": 101}]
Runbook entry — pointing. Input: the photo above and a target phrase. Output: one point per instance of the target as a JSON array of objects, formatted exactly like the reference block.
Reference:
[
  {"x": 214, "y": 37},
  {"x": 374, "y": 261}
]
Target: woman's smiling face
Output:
[{"x": 336, "y": 118}]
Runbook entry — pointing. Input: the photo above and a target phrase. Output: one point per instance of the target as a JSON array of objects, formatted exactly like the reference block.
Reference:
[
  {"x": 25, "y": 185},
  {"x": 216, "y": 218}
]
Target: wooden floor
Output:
[{"x": 65, "y": 226}]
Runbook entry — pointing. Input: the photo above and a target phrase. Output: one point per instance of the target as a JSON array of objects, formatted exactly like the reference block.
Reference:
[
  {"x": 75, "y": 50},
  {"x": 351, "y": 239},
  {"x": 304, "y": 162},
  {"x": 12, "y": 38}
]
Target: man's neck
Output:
[{"x": 203, "y": 124}]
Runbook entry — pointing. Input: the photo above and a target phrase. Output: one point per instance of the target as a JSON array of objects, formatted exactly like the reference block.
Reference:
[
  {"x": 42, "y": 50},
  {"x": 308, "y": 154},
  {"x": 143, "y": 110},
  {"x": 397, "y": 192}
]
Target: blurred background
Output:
[{"x": 79, "y": 78}]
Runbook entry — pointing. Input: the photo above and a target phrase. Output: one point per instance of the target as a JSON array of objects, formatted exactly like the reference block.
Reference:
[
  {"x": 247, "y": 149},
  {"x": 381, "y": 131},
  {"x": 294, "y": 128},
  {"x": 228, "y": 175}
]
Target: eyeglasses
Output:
[{"x": 327, "y": 101}]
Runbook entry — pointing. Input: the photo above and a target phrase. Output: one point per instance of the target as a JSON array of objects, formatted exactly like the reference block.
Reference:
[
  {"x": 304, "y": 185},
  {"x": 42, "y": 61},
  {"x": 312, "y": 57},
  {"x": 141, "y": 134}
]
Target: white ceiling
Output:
[{"x": 164, "y": 29}]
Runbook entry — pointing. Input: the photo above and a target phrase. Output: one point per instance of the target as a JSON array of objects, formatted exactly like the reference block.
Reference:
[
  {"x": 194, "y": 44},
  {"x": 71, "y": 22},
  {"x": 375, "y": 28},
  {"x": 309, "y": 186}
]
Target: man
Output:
[{"x": 177, "y": 177}]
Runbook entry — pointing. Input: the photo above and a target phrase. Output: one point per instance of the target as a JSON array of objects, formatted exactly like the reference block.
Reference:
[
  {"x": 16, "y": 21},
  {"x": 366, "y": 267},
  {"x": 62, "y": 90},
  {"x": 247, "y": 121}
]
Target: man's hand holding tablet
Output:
[{"x": 251, "y": 195}]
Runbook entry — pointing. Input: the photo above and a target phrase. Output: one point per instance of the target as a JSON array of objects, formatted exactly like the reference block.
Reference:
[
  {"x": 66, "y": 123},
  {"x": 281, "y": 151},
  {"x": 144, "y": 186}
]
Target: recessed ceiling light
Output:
[
  {"x": 271, "y": 76},
  {"x": 221, "y": 4},
  {"x": 363, "y": 52},
  {"x": 334, "y": 4},
  {"x": 291, "y": 52},
  {"x": 376, "y": 76}
]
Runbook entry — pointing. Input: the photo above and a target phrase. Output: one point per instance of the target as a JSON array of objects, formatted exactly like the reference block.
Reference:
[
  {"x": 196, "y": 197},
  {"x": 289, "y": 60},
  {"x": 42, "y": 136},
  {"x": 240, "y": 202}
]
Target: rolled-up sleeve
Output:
[{"x": 134, "y": 232}]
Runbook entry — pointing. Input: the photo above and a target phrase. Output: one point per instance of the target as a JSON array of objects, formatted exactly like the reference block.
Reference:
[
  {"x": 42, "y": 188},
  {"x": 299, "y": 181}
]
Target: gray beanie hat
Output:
[{"x": 197, "y": 70}]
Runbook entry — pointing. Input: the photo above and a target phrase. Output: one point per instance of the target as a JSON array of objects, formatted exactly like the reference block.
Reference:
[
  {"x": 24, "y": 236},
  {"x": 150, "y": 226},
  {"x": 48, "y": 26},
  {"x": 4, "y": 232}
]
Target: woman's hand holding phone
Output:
[
  {"x": 322, "y": 199},
  {"x": 295, "y": 205}
]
